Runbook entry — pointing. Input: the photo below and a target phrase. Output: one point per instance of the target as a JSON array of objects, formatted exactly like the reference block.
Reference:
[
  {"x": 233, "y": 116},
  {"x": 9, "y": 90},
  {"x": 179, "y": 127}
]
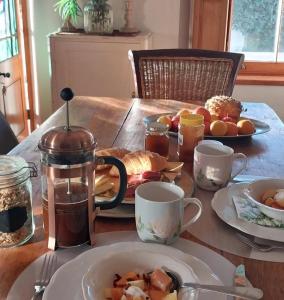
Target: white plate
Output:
[
  {"x": 124, "y": 211},
  {"x": 127, "y": 209},
  {"x": 184, "y": 181},
  {"x": 101, "y": 274},
  {"x": 66, "y": 282},
  {"x": 260, "y": 127},
  {"x": 222, "y": 204}
]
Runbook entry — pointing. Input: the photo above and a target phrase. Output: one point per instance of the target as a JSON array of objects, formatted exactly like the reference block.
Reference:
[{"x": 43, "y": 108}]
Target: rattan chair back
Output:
[{"x": 184, "y": 74}]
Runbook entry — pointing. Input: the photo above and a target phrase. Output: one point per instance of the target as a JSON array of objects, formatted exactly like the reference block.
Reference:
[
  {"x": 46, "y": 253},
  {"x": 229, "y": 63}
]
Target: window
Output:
[
  {"x": 8, "y": 30},
  {"x": 255, "y": 28}
]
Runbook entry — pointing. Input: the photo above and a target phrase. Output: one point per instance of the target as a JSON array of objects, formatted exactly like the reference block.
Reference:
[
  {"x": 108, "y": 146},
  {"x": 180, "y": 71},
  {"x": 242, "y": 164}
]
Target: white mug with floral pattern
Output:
[
  {"x": 213, "y": 165},
  {"x": 159, "y": 212}
]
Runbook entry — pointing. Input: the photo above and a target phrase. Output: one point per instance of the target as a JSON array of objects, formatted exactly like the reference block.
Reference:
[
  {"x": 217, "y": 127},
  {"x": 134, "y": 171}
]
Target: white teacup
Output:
[
  {"x": 213, "y": 164},
  {"x": 159, "y": 211}
]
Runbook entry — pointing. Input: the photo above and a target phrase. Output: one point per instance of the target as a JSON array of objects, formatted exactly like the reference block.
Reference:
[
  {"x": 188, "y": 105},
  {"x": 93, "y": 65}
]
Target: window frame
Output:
[{"x": 209, "y": 32}]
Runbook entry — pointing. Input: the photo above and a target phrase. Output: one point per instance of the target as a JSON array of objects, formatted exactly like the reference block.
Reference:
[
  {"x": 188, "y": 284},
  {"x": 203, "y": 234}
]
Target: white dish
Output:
[
  {"x": 101, "y": 274},
  {"x": 127, "y": 208},
  {"x": 124, "y": 211},
  {"x": 70, "y": 275},
  {"x": 223, "y": 205},
  {"x": 184, "y": 181},
  {"x": 255, "y": 190}
]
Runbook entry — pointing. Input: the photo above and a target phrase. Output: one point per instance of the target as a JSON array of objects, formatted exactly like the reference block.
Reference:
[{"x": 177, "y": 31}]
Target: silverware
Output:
[
  {"x": 47, "y": 270},
  {"x": 247, "y": 178},
  {"x": 249, "y": 241},
  {"x": 248, "y": 293}
]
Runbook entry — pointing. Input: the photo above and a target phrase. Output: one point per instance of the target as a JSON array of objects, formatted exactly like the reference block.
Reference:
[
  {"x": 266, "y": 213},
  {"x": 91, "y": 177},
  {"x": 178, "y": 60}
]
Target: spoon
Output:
[{"x": 248, "y": 293}]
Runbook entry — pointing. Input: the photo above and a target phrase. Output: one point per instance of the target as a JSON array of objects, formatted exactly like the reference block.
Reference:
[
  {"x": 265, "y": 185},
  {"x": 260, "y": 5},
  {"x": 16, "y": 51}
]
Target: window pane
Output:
[
  {"x": 254, "y": 29},
  {"x": 8, "y": 48},
  {"x": 8, "y": 30},
  {"x": 281, "y": 42}
]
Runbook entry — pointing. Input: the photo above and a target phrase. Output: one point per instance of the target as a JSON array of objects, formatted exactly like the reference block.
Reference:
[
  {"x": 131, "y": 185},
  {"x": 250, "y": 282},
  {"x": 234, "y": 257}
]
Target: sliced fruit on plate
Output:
[
  {"x": 174, "y": 166},
  {"x": 103, "y": 188}
]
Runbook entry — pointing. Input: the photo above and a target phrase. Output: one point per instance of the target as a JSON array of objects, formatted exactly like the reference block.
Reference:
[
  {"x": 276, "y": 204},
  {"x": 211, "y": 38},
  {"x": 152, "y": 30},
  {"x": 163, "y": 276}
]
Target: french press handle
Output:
[{"x": 115, "y": 201}]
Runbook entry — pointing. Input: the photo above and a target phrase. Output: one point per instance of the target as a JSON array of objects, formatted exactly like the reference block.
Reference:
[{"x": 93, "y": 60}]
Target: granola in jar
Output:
[{"x": 16, "y": 218}]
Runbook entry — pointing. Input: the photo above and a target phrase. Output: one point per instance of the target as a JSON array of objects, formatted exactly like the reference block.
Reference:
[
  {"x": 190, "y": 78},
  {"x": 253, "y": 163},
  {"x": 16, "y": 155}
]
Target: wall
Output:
[
  {"x": 42, "y": 21},
  {"x": 272, "y": 95},
  {"x": 161, "y": 17},
  {"x": 166, "y": 19}
]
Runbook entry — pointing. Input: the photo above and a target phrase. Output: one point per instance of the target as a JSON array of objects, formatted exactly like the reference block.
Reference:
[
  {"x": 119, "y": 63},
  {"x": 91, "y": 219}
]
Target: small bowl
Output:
[
  {"x": 255, "y": 190},
  {"x": 100, "y": 275}
]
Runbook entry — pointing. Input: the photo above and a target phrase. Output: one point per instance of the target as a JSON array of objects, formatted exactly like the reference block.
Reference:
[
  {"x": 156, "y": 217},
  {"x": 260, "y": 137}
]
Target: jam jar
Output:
[
  {"x": 190, "y": 133},
  {"x": 16, "y": 217},
  {"x": 157, "y": 138}
]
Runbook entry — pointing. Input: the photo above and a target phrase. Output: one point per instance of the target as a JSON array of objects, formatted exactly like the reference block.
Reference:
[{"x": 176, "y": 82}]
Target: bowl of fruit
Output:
[
  {"x": 268, "y": 196},
  {"x": 222, "y": 119}
]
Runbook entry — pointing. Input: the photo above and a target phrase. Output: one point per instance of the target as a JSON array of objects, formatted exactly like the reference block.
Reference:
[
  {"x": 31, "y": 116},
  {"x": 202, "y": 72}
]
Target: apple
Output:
[
  {"x": 229, "y": 119},
  {"x": 175, "y": 123},
  {"x": 207, "y": 128},
  {"x": 200, "y": 110}
]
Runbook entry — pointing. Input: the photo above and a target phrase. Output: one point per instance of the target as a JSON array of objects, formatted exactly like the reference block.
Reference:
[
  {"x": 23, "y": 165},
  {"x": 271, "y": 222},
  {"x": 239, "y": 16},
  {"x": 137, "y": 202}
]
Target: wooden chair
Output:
[
  {"x": 184, "y": 74},
  {"x": 8, "y": 140}
]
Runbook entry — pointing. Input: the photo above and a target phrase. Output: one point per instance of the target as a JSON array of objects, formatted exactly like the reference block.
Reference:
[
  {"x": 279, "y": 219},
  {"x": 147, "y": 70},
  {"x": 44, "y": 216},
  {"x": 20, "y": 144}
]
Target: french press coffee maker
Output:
[{"x": 68, "y": 168}]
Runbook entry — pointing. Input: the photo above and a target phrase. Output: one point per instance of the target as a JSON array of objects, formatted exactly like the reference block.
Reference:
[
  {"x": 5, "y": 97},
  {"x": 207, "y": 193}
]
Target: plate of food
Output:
[
  {"x": 75, "y": 272},
  {"x": 222, "y": 119},
  {"x": 141, "y": 166},
  {"x": 223, "y": 204},
  {"x": 141, "y": 274}
]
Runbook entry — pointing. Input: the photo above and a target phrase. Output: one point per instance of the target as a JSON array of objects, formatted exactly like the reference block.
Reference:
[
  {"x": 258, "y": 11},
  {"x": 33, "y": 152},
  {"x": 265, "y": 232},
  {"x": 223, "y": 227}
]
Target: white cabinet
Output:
[{"x": 93, "y": 65}]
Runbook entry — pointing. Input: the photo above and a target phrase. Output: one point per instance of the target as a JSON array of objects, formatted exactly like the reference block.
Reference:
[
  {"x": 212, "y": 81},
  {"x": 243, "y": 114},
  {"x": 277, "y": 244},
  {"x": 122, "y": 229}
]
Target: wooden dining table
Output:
[{"x": 119, "y": 122}]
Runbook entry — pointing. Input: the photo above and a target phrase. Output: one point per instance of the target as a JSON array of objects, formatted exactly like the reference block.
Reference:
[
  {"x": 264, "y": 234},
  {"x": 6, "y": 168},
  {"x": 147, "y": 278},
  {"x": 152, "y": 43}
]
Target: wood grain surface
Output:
[{"x": 120, "y": 122}]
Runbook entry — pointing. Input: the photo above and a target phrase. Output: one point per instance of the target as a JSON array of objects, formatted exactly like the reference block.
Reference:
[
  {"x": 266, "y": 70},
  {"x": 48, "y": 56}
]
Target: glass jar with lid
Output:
[
  {"x": 190, "y": 132},
  {"x": 16, "y": 217},
  {"x": 157, "y": 138},
  {"x": 98, "y": 17}
]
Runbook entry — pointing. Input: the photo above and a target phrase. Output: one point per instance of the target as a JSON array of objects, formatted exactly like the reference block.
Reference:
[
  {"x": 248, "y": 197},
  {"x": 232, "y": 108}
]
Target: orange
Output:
[
  {"x": 218, "y": 128},
  {"x": 214, "y": 118},
  {"x": 232, "y": 129},
  {"x": 183, "y": 112},
  {"x": 246, "y": 127},
  {"x": 166, "y": 120}
]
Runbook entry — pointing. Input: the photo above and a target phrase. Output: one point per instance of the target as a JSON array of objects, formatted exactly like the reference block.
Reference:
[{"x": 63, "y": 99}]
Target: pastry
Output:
[
  {"x": 116, "y": 152},
  {"x": 141, "y": 161},
  {"x": 224, "y": 106}
]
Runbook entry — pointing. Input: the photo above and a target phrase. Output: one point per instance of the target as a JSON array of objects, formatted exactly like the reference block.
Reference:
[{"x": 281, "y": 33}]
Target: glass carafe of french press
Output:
[{"x": 67, "y": 167}]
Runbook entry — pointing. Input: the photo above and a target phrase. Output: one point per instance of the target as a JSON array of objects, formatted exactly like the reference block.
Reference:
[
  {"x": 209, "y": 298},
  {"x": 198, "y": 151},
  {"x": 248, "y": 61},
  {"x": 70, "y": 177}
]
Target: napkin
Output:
[{"x": 248, "y": 211}]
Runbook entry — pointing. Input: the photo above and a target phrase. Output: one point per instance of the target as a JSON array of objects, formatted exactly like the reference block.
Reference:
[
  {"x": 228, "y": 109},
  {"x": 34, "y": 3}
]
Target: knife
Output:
[{"x": 247, "y": 178}]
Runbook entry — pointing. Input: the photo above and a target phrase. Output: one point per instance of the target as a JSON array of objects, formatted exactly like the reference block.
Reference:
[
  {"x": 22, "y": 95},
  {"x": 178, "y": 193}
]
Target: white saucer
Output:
[
  {"x": 224, "y": 207},
  {"x": 127, "y": 208},
  {"x": 66, "y": 282}
]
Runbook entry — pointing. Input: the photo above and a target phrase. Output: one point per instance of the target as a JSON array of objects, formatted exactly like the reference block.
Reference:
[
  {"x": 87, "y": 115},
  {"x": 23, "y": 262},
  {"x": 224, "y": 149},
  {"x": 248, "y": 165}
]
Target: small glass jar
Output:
[
  {"x": 98, "y": 19},
  {"x": 157, "y": 139},
  {"x": 16, "y": 217},
  {"x": 190, "y": 133}
]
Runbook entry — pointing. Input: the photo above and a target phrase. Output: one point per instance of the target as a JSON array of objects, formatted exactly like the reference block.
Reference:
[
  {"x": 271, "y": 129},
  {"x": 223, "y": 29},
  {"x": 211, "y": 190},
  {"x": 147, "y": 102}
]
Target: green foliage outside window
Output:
[{"x": 256, "y": 20}]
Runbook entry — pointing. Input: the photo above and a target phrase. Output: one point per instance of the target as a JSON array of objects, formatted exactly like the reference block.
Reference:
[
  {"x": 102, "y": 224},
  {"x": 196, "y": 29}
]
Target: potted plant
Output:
[
  {"x": 98, "y": 17},
  {"x": 69, "y": 10}
]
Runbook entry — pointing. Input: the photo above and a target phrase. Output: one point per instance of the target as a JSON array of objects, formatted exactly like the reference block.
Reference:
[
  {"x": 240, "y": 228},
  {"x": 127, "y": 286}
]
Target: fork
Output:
[
  {"x": 47, "y": 270},
  {"x": 257, "y": 246}
]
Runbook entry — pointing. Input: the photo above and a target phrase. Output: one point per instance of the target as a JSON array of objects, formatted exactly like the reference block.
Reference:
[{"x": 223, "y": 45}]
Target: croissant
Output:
[
  {"x": 141, "y": 161},
  {"x": 116, "y": 152}
]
